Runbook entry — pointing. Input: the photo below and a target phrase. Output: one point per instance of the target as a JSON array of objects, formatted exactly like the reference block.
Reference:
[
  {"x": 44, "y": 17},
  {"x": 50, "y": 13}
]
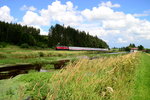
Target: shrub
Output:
[
  {"x": 41, "y": 45},
  {"x": 24, "y": 45},
  {"x": 3, "y": 44}
]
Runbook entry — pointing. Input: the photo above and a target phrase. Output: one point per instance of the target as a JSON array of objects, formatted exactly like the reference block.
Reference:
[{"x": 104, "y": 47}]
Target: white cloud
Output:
[
  {"x": 130, "y": 38},
  {"x": 30, "y": 8},
  {"x": 144, "y": 14},
  {"x": 102, "y": 20},
  {"x": 147, "y": 37},
  {"x": 92, "y": 29},
  {"x": 117, "y": 23},
  {"x": 140, "y": 28},
  {"x": 120, "y": 40},
  {"x": 102, "y": 13},
  {"x": 109, "y": 4},
  {"x": 5, "y": 14},
  {"x": 99, "y": 13},
  {"x": 63, "y": 13},
  {"x": 32, "y": 18},
  {"x": 96, "y": 30},
  {"x": 114, "y": 24},
  {"x": 140, "y": 15},
  {"x": 42, "y": 32}
]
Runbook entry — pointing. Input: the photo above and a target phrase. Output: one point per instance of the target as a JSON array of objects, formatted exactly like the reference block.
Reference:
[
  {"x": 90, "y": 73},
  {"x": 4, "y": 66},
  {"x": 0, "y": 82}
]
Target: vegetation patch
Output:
[
  {"x": 98, "y": 79},
  {"x": 142, "y": 79}
]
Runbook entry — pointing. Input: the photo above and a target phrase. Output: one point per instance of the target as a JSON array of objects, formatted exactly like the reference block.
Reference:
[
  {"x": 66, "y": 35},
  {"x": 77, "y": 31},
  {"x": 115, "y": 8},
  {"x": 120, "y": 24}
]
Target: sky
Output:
[{"x": 118, "y": 22}]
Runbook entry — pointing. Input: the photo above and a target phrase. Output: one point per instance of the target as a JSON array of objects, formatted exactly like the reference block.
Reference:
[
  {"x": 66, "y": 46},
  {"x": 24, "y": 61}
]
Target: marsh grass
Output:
[{"x": 99, "y": 79}]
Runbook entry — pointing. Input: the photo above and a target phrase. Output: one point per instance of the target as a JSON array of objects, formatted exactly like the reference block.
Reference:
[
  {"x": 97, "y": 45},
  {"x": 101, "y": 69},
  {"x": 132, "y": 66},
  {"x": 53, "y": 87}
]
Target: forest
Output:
[
  {"x": 16, "y": 34},
  {"x": 71, "y": 37}
]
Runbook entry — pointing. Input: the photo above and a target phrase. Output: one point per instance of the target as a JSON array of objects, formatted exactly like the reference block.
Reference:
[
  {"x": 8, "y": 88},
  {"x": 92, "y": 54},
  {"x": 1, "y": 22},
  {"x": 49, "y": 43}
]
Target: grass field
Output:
[
  {"x": 142, "y": 79},
  {"x": 110, "y": 77},
  {"x": 17, "y": 55},
  {"x": 14, "y": 55},
  {"x": 107, "y": 78}
]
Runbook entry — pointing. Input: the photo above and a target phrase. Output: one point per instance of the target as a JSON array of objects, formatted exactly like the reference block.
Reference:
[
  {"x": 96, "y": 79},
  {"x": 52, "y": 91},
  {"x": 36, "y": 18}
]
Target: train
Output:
[{"x": 80, "y": 48}]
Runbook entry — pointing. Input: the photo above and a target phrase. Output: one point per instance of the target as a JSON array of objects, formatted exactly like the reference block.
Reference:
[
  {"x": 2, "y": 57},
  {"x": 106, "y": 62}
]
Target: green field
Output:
[
  {"x": 15, "y": 55},
  {"x": 142, "y": 79},
  {"x": 110, "y": 77}
]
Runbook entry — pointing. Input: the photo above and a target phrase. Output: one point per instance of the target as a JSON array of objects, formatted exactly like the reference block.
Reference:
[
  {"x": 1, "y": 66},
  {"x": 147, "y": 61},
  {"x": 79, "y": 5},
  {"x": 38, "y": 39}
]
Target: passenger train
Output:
[{"x": 80, "y": 48}]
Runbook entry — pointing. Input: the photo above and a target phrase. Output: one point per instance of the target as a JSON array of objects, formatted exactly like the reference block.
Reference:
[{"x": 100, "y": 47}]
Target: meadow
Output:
[
  {"x": 15, "y": 55},
  {"x": 142, "y": 79},
  {"x": 110, "y": 77}
]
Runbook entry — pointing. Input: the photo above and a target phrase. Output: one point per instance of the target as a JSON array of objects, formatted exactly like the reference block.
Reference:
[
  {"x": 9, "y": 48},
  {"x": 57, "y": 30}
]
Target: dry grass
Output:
[{"x": 98, "y": 79}]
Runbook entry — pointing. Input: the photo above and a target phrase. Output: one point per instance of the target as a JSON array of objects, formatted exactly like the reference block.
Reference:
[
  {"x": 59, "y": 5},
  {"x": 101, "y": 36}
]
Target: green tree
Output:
[
  {"x": 140, "y": 47},
  {"x": 68, "y": 36},
  {"x": 132, "y": 45},
  {"x": 17, "y": 34},
  {"x": 127, "y": 48}
]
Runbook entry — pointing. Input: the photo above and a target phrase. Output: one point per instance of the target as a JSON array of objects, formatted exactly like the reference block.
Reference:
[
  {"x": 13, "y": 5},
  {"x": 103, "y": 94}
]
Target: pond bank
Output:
[{"x": 7, "y": 71}]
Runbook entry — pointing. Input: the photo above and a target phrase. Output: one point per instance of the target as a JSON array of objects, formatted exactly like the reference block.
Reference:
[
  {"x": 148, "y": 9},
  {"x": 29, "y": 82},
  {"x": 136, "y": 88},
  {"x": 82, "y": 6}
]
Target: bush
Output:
[
  {"x": 3, "y": 44},
  {"x": 24, "y": 45},
  {"x": 147, "y": 50},
  {"x": 41, "y": 45}
]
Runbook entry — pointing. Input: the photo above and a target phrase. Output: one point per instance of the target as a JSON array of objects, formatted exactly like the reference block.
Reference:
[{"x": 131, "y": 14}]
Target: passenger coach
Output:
[{"x": 80, "y": 48}]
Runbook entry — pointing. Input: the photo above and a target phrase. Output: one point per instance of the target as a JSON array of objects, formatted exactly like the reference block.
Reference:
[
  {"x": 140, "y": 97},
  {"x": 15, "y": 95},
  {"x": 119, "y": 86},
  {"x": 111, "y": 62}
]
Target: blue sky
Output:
[{"x": 118, "y": 22}]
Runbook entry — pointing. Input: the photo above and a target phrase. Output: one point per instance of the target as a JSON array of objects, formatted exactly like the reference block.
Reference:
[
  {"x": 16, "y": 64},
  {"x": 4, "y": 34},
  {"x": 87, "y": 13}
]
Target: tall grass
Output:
[{"x": 98, "y": 79}]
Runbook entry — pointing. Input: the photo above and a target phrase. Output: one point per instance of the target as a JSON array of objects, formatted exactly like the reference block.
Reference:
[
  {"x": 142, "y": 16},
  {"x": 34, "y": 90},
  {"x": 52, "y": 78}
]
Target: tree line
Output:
[
  {"x": 67, "y": 36},
  {"x": 128, "y": 48},
  {"x": 17, "y": 34}
]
